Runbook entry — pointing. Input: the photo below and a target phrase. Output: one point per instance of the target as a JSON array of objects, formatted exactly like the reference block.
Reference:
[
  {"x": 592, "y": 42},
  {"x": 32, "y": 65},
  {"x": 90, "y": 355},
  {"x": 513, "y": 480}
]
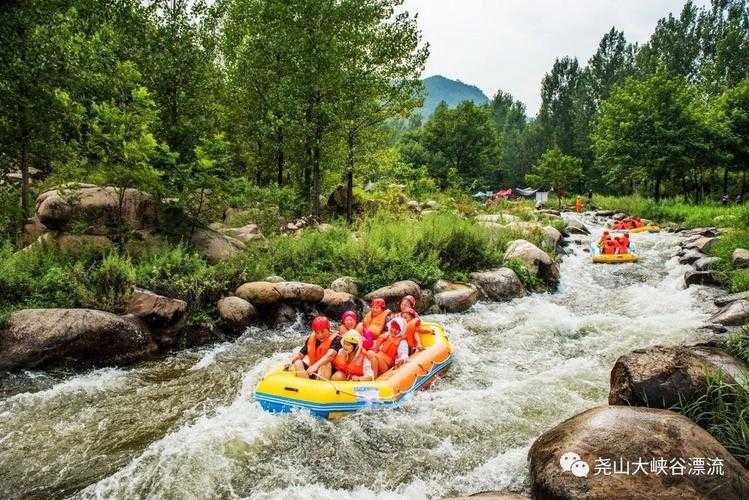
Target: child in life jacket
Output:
[
  {"x": 374, "y": 322},
  {"x": 391, "y": 349},
  {"x": 352, "y": 361}
]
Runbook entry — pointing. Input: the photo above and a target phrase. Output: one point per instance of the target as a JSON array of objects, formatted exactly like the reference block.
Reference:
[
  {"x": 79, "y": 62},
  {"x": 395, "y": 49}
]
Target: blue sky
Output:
[{"x": 511, "y": 44}]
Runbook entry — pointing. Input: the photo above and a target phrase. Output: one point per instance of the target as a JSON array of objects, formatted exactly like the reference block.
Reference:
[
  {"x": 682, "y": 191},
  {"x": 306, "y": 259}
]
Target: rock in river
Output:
[
  {"x": 601, "y": 436},
  {"x": 498, "y": 284},
  {"x": 534, "y": 260},
  {"x": 236, "y": 312},
  {"x": 734, "y": 314},
  {"x": 80, "y": 337},
  {"x": 458, "y": 300},
  {"x": 659, "y": 377}
]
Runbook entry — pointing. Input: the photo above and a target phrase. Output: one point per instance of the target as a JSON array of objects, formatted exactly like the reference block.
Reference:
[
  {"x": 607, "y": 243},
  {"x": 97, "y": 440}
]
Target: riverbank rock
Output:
[
  {"x": 459, "y": 300},
  {"x": 245, "y": 234},
  {"x": 236, "y": 312},
  {"x": 702, "y": 244},
  {"x": 604, "y": 435},
  {"x": 534, "y": 260},
  {"x": 162, "y": 315},
  {"x": 734, "y": 314},
  {"x": 574, "y": 224},
  {"x": 707, "y": 278},
  {"x": 706, "y": 263},
  {"x": 216, "y": 246},
  {"x": 259, "y": 292},
  {"x": 334, "y": 303},
  {"x": 446, "y": 286},
  {"x": 690, "y": 257},
  {"x": 345, "y": 284},
  {"x": 552, "y": 237},
  {"x": 740, "y": 258},
  {"x": 36, "y": 338},
  {"x": 659, "y": 376},
  {"x": 498, "y": 284},
  {"x": 97, "y": 208},
  {"x": 296, "y": 291},
  {"x": 706, "y": 232},
  {"x": 394, "y": 293},
  {"x": 733, "y": 297}
]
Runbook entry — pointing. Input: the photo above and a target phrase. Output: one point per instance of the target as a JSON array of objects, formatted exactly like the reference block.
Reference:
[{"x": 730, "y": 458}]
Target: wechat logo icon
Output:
[{"x": 571, "y": 462}]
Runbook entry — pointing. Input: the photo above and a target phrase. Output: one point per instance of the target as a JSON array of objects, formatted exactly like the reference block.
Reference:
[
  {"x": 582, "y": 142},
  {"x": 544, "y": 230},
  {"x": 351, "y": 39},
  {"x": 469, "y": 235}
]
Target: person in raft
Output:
[
  {"x": 374, "y": 322},
  {"x": 391, "y": 348},
  {"x": 315, "y": 358},
  {"x": 406, "y": 303},
  {"x": 349, "y": 321},
  {"x": 352, "y": 361},
  {"x": 413, "y": 329}
]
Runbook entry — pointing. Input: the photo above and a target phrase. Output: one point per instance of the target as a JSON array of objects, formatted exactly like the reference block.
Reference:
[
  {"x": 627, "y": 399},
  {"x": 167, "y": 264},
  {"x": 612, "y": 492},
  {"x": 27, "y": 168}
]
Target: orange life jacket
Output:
[
  {"x": 387, "y": 349},
  {"x": 412, "y": 327},
  {"x": 316, "y": 351},
  {"x": 355, "y": 367},
  {"x": 376, "y": 324},
  {"x": 609, "y": 247}
]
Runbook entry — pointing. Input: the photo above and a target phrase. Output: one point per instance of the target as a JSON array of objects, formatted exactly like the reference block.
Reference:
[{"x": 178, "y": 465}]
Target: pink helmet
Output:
[{"x": 349, "y": 314}]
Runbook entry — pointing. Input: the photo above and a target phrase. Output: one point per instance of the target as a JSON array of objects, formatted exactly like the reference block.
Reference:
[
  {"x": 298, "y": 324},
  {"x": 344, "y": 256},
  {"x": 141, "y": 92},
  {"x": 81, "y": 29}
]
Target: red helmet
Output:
[
  {"x": 349, "y": 314},
  {"x": 378, "y": 302},
  {"x": 411, "y": 300},
  {"x": 320, "y": 323}
]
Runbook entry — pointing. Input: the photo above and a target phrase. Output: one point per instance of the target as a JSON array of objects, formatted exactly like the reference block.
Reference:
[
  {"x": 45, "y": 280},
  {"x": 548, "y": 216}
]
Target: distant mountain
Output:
[{"x": 438, "y": 88}]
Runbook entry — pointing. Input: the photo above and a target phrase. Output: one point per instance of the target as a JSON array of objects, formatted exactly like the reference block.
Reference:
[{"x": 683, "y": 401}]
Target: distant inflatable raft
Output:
[
  {"x": 619, "y": 258},
  {"x": 644, "y": 229},
  {"x": 281, "y": 391}
]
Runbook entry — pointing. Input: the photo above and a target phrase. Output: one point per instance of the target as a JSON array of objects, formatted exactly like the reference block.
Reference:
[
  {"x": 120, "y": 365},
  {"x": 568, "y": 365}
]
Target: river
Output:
[{"x": 186, "y": 426}]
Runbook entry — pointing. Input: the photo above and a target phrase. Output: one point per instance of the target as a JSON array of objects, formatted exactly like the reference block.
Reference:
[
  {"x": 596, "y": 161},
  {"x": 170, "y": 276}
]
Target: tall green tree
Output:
[
  {"x": 648, "y": 131},
  {"x": 556, "y": 171}
]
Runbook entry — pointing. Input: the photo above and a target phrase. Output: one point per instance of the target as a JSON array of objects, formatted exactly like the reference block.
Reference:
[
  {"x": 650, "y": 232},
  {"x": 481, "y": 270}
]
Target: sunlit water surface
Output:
[{"x": 187, "y": 425}]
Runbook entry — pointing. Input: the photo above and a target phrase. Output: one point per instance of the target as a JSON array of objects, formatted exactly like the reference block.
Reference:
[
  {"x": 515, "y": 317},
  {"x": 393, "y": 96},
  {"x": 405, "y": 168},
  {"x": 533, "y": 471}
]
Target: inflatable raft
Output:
[
  {"x": 281, "y": 391},
  {"x": 620, "y": 258},
  {"x": 643, "y": 229}
]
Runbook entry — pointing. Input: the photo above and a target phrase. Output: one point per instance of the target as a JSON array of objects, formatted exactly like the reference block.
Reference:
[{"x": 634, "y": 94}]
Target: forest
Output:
[{"x": 207, "y": 103}]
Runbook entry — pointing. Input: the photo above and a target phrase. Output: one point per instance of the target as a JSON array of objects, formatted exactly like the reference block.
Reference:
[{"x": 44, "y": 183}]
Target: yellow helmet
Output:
[{"x": 352, "y": 337}]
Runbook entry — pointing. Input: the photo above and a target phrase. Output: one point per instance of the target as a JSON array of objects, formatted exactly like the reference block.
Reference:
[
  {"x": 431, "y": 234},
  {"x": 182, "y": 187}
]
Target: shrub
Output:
[{"x": 107, "y": 286}]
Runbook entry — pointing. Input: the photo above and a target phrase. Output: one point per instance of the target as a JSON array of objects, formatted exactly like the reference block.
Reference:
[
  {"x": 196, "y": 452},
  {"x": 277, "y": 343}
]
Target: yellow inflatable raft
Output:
[
  {"x": 644, "y": 229},
  {"x": 281, "y": 391},
  {"x": 620, "y": 258}
]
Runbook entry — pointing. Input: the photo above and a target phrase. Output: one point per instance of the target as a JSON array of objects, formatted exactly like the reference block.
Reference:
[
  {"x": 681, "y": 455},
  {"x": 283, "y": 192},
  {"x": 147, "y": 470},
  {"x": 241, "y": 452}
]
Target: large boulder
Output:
[
  {"x": 740, "y": 258},
  {"x": 574, "y": 224},
  {"x": 236, "y": 312},
  {"x": 445, "y": 286},
  {"x": 296, "y": 291},
  {"x": 706, "y": 263},
  {"x": 459, "y": 300},
  {"x": 259, "y": 292},
  {"x": 702, "y": 244},
  {"x": 425, "y": 300},
  {"x": 707, "y": 278},
  {"x": 395, "y": 292},
  {"x": 690, "y": 257},
  {"x": 97, "y": 208},
  {"x": 245, "y": 234},
  {"x": 551, "y": 236},
  {"x": 162, "y": 315},
  {"x": 575, "y": 459},
  {"x": 661, "y": 377},
  {"x": 535, "y": 260},
  {"x": 216, "y": 246},
  {"x": 498, "y": 284},
  {"x": 345, "y": 284},
  {"x": 733, "y": 297},
  {"x": 734, "y": 314},
  {"x": 334, "y": 303},
  {"x": 80, "y": 337}
]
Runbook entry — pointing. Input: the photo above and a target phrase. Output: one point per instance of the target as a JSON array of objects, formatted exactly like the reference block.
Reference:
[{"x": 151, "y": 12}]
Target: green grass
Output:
[{"x": 684, "y": 214}]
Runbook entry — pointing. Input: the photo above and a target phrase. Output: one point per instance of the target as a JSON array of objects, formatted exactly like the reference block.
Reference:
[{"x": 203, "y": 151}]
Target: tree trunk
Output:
[
  {"x": 725, "y": 181},
  {"x": 350, "y": 178},
  {"x": 657, "y": 189},
  {"x": 24, "y": 166},
  {"x": 279, "y": 156},
  {"x": 743, "y": 185}
]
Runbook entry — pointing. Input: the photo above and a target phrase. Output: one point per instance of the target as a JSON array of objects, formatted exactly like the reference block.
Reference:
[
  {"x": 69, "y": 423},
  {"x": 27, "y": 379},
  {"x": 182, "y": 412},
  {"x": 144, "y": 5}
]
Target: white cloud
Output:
[{"x": 511, "y": 44}]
